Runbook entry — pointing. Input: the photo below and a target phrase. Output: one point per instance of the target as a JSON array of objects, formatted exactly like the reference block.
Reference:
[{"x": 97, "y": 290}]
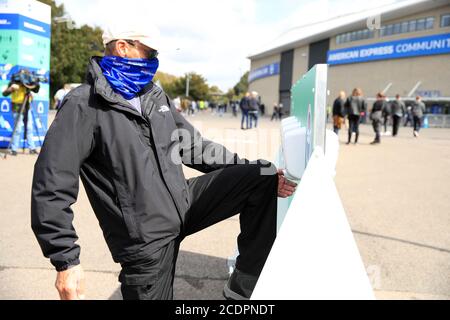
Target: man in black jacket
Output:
[
  {"x": 418, "y": 111},
  {"x": 355, "y": 106},
  {"x": 253, "y": 110},
  {"x": 398, "y": 110},
  {"x": 244, "y": 105},
  {"x": 122, "y": 135},
  {"x": 376, "y": 116}
]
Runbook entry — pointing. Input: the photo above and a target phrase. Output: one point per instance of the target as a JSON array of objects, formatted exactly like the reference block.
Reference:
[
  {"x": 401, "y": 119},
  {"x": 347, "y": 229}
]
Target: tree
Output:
[
  {"x": 242, "y": 86},
  {"x": 167, "y": 82},
  {"x": 216, "y": 95},
  {"x": 71, "y": 49},
  {"x": 198, "y": 88},
  {"x": 231, "y": 95}
]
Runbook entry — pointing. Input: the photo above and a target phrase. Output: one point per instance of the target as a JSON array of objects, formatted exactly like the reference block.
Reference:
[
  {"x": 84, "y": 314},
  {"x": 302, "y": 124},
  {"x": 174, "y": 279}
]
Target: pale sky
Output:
[{"x": 214, "y": 37}]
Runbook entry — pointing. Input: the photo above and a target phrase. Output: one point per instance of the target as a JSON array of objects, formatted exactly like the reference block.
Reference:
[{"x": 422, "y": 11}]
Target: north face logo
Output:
[{"x": 164, "y": 109}]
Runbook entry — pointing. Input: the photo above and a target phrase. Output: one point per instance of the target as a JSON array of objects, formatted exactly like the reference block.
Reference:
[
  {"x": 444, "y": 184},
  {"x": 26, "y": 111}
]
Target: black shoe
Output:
[
  {"x": 34, "y": 152},
  {"x": 240, "y": 286},
  {"x": 14, "y": 153},
  {"x": 375, "y": 142}
]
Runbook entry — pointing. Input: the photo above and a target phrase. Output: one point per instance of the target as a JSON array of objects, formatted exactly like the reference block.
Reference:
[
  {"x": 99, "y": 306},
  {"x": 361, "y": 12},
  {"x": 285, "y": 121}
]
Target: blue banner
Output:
[
  {"x": 263, "y": 72},
  {"x": 423, "y": 46},
  {"x": 18, "y": 22},
  {"x": 40, "y": 107},
  {"x": 39, "y": 122}
]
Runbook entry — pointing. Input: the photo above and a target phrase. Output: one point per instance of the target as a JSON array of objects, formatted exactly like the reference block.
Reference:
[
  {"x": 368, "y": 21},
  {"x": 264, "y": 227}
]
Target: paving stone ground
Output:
[{"x": 396, "y": 196}]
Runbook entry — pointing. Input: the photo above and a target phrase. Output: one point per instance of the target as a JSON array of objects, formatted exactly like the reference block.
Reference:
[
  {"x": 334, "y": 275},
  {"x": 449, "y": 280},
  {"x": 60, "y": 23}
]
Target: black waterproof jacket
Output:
[
  {"x": 398, "y": 108},
  {"x": 377, "y": 111},
  {"x": 129, "y": 167},
  {"x": 338, "y": 107},
  {"x": 244, "y": 104},
  {"x": 354, "y": 106}
]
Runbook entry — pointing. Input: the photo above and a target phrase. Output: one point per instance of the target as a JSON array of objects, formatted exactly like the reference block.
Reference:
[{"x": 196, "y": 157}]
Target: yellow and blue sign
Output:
[{"x": 413, "y": 47}]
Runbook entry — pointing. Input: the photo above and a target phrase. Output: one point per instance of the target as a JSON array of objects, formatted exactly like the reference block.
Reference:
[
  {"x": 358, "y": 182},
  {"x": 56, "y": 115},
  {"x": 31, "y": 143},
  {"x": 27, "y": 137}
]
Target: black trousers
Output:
[
  {"x": 417, "y": 123},
  {"x": 377, "y": 128},
  {"x": 354, "y": 122},
  {"x": 395, "y": 124},
  {"x": 385, "y": 122},
  {"x": 246, "y": 189}
]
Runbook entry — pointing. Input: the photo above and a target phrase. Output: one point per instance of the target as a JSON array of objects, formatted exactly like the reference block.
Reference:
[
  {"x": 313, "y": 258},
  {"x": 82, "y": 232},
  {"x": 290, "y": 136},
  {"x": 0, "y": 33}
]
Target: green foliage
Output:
[
  {"x": 198, "y": 87},
  {"x": 242, "y": 86},
  {"x": 70, "y": 50},
  {"x": 166, "y": 81}
]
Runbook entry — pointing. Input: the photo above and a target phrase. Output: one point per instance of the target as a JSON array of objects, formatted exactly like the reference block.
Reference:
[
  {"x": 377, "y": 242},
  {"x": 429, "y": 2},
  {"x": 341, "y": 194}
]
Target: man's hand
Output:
[
  {"x": 70, "y": 284},
  {"x": 286, "y": 188},
  {"x": 14, "y": 87}
]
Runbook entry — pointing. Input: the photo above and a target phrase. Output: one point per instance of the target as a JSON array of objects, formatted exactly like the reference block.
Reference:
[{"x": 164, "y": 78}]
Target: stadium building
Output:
[{"x": 406, "y": 52}]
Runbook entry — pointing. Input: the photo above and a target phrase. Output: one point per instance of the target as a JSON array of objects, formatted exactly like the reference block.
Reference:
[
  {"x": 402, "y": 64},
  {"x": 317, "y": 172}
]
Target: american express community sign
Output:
[{"x": 423, "y": 46}]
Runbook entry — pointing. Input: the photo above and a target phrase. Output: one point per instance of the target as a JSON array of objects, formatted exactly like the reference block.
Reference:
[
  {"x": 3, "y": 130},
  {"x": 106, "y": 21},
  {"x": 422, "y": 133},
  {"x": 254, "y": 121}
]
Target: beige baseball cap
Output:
[{"x": 148, "y": 35}]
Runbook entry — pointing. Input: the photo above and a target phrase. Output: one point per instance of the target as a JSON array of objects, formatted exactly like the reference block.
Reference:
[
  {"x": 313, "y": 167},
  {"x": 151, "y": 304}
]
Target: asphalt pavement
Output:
[{"x": 396, "y": 196}]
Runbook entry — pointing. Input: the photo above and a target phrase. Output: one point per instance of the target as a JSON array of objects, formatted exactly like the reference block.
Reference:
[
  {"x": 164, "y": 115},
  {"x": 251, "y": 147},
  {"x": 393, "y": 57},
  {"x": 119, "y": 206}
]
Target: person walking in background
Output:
[
  {"x": 60, "y": 95},
  {"x": 253, "y": 112},
  {"x": 338, "y": 112},
  {"x": 409, "y": 116},
  {"x": 377, "y": 116},
  {"x": 213, "y": 107},
  {"x": 275, "y": 112},
  {"x": 354, "y": 107},
  {"x": 386, "y": 113},
  {"x": 244, "y": 105},
  {"x": 177, "y": 104},
  {"x": 193, "y": 108},
  {"x": 280, "y": 111},
  {"x": 222, "y": 109},
  {"x": 234, "y": 108},
  {"x": 418, "y": 110},
  {"x": 398, "y": 110},
  {"x": 262, "y": 107}
]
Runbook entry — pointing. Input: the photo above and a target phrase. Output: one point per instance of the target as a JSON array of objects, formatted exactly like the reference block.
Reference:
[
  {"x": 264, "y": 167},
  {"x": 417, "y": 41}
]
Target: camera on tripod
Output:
[
  {"x": 30, "y": 80},
  {"x": 21, "y": 86}
]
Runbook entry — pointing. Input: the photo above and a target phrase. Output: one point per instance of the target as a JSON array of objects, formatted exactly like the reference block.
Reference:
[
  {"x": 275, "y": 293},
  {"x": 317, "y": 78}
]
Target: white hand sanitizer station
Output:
[{"x": 315, "y": 255}]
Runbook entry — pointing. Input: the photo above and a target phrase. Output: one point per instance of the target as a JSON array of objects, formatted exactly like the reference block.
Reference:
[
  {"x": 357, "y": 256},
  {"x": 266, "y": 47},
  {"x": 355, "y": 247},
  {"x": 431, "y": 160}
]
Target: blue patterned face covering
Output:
[{"x": 126, "y": 76}]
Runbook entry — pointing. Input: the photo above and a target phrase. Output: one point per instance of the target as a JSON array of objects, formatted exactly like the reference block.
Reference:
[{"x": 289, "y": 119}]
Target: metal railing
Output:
[{"x": 438, "y": 120}]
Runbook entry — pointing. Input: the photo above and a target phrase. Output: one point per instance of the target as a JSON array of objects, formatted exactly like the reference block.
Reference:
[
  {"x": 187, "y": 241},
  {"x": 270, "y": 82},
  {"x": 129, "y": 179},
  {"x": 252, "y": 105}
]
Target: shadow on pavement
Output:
[{"x": 198, "y": 277}]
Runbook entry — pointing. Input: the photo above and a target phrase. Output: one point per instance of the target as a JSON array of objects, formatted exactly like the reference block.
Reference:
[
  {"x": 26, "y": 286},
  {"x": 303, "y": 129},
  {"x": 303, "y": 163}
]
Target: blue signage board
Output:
[
  {"x": 429, "y": 93},
  {"x": 39, "y": 122},
  {"x": 423, "y": 46},
  {"x": 10, "y": 21},
  {"x": 263, "y": 72},
  {"x": 25, "y": 33}
]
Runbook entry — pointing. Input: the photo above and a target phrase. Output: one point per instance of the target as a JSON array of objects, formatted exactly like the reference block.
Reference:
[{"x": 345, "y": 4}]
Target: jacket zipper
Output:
[{"x": 135, "y": 113}]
